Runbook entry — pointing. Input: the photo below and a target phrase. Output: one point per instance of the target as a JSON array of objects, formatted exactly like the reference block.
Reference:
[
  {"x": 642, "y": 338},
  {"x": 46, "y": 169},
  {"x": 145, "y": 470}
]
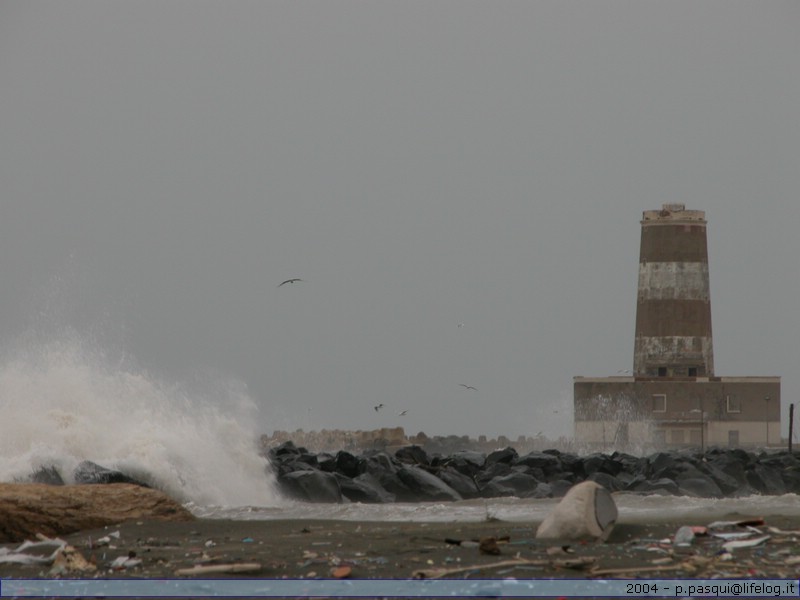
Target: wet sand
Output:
[{"x": 299, "y": 549}]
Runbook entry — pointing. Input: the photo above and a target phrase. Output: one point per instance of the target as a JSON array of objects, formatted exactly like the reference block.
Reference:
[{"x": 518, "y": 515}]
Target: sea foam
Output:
[{"x": 62, "y": 402}]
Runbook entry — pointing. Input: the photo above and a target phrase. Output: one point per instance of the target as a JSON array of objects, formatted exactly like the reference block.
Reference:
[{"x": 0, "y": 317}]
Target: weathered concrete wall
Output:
[{"x": 676, "y": 410}]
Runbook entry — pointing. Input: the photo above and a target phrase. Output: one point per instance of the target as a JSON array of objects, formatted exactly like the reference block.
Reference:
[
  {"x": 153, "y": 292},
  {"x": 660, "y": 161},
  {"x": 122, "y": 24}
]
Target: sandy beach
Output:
[{"x": 308, "y": 549}]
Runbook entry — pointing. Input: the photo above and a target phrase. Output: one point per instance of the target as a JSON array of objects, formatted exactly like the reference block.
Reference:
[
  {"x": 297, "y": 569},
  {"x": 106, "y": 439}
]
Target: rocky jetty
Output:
[
  {"x": 411, "y": 474},
  {"x": 27, "y": 509}
]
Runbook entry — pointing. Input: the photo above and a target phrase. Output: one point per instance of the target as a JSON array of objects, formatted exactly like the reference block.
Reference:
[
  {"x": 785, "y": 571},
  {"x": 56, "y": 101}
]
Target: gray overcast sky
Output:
[{"x": 166, "y": 164}]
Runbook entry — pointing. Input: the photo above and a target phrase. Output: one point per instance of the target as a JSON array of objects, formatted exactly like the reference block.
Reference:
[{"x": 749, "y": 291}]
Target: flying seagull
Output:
[
  {"x": 469, "y": 387},
  {"x": 289, "y": 281},
  {"x": 377, "y": 408},
  {"x": 402, "y": 413}
]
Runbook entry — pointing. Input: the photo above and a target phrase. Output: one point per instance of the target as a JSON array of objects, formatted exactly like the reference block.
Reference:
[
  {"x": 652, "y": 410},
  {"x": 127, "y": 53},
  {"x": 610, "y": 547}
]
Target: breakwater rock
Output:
[{"x": 410, "y": 474}]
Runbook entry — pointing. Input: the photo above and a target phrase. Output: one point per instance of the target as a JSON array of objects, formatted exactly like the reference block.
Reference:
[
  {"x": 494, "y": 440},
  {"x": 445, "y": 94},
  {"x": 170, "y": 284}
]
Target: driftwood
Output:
[
  {"x": 217, "y": 569},
  {"x": 638, "y": 569},
  {"x": 570, "y": 563}
]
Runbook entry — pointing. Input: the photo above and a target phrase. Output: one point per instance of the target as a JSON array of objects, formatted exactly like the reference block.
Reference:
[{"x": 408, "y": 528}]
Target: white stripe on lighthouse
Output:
[{"x": 673, "y": 281}]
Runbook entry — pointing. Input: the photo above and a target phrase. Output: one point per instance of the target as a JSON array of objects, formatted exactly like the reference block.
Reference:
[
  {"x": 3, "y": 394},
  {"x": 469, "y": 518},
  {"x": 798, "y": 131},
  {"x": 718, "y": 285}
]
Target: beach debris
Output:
[
  {"x": 69, "y": 560},
  {"x": 570, "y": 563},
  {"x": 219, "y": 569},
  {"x": 125, "y": 562},
  {"x": 735, "y": 544},
  {"x": 586, "y": 511},
  {"x": 750, "y": 522},
  {"x": 472, "y": 543},
  {"x": 341, "y": 572},
  {"x": 31, "y": 553},
  {"x": 579, "y": 562},
  {"x": 640, "y": 569},
  {"x": 684, "y": 536},
  {"x": 104, "y": 541},
  {"x": 444, "y": 572},
  {"x": 488, "y": 545},
  {"x": 777, "y": 531},
  {"x": 732, "y": 535},
  {"x": 559, "y": 550}
]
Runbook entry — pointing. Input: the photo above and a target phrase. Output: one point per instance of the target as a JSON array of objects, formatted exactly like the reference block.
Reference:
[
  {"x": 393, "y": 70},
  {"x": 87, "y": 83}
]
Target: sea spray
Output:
[{"x": 62, "y": 402}]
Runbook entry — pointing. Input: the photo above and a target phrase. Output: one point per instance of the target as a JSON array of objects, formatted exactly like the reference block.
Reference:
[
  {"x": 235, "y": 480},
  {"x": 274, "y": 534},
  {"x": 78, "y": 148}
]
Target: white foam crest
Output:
[{"x": 61, "y": 404}]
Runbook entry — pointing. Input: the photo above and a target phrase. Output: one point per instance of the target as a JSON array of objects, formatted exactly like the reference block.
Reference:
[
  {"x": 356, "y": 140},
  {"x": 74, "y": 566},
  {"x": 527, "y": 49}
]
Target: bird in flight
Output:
[
  {"x": 377, "y": 408},
  {"x": 402, "y": 413},
  {"x": 289, "y": 281},
  {"x": 469, "y": 387}
]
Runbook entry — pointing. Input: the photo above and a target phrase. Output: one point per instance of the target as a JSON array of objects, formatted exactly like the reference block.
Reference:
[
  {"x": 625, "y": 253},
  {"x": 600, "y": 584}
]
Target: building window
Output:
[
  {"x": 676, "y": 436},
  {"x": 734, "y": 405},
  {"x": 733, "y": 438},
  {"x": 659, "y": 403},
  {"x": 662, "y": 371},
  {"x": 692, "y": 371}
]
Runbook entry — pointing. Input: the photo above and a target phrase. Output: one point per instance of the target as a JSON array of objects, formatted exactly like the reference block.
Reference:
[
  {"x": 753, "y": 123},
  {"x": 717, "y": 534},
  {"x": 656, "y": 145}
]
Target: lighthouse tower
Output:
[
  {"x": 673, "y": 311},
  {"x": 673, "y": 399}
]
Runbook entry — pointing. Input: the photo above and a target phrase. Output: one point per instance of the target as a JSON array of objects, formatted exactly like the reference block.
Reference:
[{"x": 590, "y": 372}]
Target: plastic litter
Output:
[
  {"x": 125, "y": 562},
  {"x": 684, "y": 536},
  {"x": 745, "y": 543},
  {"x": 29, "y": 553}
]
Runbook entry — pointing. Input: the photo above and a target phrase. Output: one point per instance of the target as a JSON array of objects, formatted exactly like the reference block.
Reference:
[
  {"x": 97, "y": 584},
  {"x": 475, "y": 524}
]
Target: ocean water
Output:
[
  {"x": 64, "y": 402},
  {"x": 633, "y": 509}
]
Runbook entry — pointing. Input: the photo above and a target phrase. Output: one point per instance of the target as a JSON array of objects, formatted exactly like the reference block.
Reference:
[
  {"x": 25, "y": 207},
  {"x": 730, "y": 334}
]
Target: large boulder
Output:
[
  {"x": 424, "y": 486},
  {"x": 364, "y": 488},
  {"x": 663, "y": 486},
  {"x": 384, "y": 469},
  {"x": 89, "y": 472},
  {"x": 497, "y": 469},
  {"x": 346, "y": 464},
  {"x": 502, "y": 455},
  {"x": 601, "y": 463},
  {"x": 766, "y": 480},
  {"x": 48, "y": 475},
  {"x": 311, "y": 486},
  {"x": 30, "y": 508},
  {"x": 464, "y": 485},
  {"x": 467, "y": 462},
  {"x": 727, "y": 483},
  {"x": 587, "y": 512},
  {"x": 699, "y": 487},
  {"x": 547, "y": 463},
  {"x": 514, "y": 484},
  {"x": 611, "y": 483},
  {"x": 413, "y": 455}
]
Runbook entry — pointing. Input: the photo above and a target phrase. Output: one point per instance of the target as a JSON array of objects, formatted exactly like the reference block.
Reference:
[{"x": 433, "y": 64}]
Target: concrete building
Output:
[{"x": 673, "y": 397}]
